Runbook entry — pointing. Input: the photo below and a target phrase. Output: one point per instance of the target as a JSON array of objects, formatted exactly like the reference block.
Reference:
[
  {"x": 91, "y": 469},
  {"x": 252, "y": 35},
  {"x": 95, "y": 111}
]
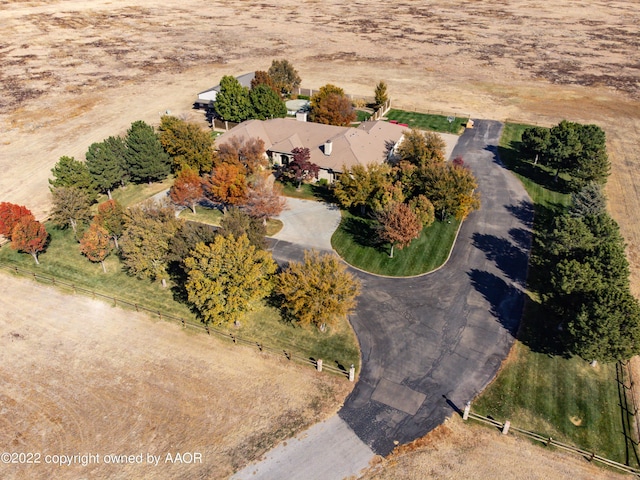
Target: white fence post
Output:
[
  {"x": 352, "y": 373},
  {"x": 319, "y": 365},
  {"x": 467, "y": 409},
  {"x": 505, "y": 427}
]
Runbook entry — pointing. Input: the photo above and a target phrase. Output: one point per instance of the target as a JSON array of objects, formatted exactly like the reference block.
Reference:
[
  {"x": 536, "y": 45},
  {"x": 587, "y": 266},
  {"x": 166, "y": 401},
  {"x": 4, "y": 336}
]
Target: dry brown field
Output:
[{"x": 74, "y": 72}]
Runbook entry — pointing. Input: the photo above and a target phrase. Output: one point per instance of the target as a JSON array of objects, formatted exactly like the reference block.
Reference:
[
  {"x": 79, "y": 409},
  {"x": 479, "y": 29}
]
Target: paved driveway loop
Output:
[{"x": 430, "y": 344}]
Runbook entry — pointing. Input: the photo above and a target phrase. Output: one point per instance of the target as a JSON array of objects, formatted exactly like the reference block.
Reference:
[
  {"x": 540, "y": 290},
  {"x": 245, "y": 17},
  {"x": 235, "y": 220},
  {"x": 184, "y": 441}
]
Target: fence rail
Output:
[
  {"x": 289, "y": 354},
  {"x": 548, "y": 441}
]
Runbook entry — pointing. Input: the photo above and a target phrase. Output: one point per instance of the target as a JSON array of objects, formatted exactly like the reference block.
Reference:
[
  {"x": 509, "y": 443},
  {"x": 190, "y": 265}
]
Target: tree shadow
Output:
[
  {"x": 538, "y": 329},
  {"x": 537, "y": 173},
  {"x": 362, "y": 232},
  {"x": 508, "y": 257},
  {"x": 323, "y": 192},
  {"x": 522, "y": 238},
  {"x": 524, "y": 211},
  {"x": 506, "y": 301}
]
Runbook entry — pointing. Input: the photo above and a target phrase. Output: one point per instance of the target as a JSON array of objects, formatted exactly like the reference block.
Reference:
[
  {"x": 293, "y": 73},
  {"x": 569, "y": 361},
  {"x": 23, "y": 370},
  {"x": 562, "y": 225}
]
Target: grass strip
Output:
[
  {"x": 537, "y": 389},
  {"x": 427, "y": 121}
]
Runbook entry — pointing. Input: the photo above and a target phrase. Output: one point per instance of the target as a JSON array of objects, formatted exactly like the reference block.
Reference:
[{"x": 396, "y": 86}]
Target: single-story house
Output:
[
  {"x": 207, "y": 97},
  {"x": 332, "y": 148}
]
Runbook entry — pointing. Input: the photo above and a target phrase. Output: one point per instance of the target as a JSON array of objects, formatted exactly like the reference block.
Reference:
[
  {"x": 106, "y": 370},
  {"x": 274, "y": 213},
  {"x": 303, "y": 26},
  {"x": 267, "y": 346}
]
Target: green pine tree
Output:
[{"x": 146, "y": 159}]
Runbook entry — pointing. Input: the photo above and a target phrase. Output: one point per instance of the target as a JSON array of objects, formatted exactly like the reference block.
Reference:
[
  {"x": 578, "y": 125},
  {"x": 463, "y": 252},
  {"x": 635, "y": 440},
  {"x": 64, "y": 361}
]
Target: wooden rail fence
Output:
[
  {"x": 288, "y": 353},
  {"x": 506, "y": 428}
]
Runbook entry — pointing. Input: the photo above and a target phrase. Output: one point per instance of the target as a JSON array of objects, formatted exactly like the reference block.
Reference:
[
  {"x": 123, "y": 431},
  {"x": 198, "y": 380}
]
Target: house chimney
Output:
[
  {"x": 301, "y": 116},
  {"x": 327, "y": 147}
]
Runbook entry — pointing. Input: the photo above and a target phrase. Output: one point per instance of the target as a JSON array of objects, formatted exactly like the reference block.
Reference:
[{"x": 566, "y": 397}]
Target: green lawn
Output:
[
  {"x": 425, "y": 121},
  {"x": 362, "y": 115},
  {"x": 135, "y": 193},
  {"x": 63, "y": 261},
  {"x": 539, "y": 388},
  {"x": 307, "y": 191},
  {"x": 208, "y": 216},
  {"x": 354, "y": 240}
]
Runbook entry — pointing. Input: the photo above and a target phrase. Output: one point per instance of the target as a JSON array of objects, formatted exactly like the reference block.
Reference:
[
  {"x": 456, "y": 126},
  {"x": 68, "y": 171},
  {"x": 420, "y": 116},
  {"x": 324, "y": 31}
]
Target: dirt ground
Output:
[
  {"x": 458, "y": 450},
  {"x": 76, "y": 72},
  {"x": 80, "y": 377}
]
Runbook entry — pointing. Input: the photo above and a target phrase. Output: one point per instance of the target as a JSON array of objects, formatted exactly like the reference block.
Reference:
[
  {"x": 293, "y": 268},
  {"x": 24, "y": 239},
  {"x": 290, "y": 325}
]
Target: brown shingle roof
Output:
[{"x": 369, "y": 143}]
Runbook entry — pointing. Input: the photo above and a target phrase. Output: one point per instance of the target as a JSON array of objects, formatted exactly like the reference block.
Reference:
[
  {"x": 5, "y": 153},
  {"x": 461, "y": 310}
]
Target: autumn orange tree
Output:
[
  {"x": 330, "y": 106},
  {"x": 95, "y": 244},
  {"x": 263, "y": 78},
  {"x": 29, "y": 236},
  {"x": 249, "y": 153},
  {"x": 227, "y": 184},
  {"x": 187, "y": 189},
  {"x": 10, "y": 214},
  {"x": 398, "y": 225},
  {"x": 111, "y": 217}
]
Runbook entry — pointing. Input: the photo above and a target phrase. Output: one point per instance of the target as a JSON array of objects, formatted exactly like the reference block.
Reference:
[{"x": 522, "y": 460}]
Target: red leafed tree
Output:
[
  {"x": 95, "y": 244},
  {"x": 187, "y": 189},
  {"x": 10, "y": 213},
  {"x": 264, "y": 200},
  {"x": 227, "y": 184},
  {"x": 29, "y": 236},
  {"x": 398, "y": 226},
  {"x": 301, "y": 168},
  {"x": 458, "y": 162}
]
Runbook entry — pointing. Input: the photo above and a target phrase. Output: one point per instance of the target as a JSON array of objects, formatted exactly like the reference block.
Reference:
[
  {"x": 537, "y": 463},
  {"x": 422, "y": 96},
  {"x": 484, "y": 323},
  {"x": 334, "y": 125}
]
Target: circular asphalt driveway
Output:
[{"x": 431, "y": 343}]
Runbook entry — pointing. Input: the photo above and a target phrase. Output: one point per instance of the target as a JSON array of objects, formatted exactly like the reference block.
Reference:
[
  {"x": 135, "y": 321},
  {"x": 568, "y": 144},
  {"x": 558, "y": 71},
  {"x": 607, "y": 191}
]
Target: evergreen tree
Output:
[
  {"x": 232, "y": 101},
  {"x": 106, "y": 162},
  {"x": 266, "y": 103},
  {"x": 606, "y": 327},
  {"x": 380, "y": 94},
  {"x": 69, "y": 172},
  {"x": 146, "y": 159},
  {"x": 535, "y": 143},
  {"x": 590, "y": 200}
]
